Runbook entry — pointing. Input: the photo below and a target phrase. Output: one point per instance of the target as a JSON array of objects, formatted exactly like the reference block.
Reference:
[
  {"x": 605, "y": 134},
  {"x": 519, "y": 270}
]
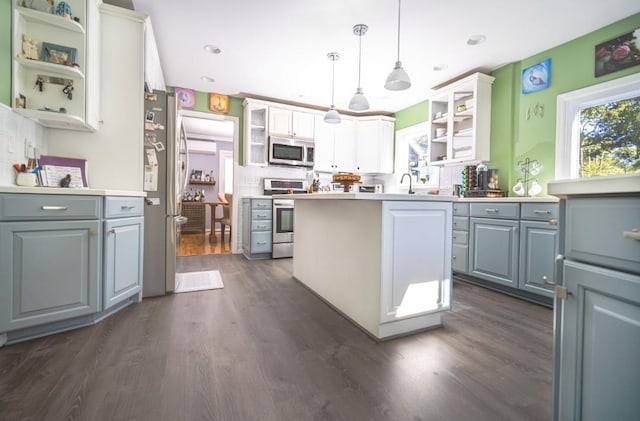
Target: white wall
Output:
[{"x": 15, "y": 131}]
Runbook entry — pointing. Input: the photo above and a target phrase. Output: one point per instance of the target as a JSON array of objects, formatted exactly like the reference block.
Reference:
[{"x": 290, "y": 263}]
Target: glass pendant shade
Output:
[
  {"x": 359, "y": 101},
  {"x": 332, "y": 116},
  {"x": 398, "y": 79}
]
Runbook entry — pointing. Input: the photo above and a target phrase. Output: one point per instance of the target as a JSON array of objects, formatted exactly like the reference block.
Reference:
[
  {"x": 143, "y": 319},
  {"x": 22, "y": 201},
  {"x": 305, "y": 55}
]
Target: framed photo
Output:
[
  {"x": 617, "y": 54},
  {"x": 218, "y": 103},
  {"x": 196, "y": 175},
  {"x": 149, "y": 116},
  {"x": 58, "y": 54},
  {"x": 536, "y": 77},
  {"x": 40, "y": 5},
  {"x": 186, "y": 97}
]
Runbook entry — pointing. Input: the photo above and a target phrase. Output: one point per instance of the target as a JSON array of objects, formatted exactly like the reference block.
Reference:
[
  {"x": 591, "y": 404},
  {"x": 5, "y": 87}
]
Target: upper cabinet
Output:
[
  {"x": 461, "y": 121},
  {"x": 256, "y": 117},
  {"x": 374, "y": 145},
  {"x": 291, "y": 123},
  {"x": 55, "y": 64}
]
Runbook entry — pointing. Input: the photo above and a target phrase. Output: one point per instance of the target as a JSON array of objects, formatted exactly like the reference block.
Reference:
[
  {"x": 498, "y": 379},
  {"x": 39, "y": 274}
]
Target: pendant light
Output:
[
  {"x": 332, "y": 116},
  {"x": 359, "y": 102},
  {"x": 398, "y": 79}
]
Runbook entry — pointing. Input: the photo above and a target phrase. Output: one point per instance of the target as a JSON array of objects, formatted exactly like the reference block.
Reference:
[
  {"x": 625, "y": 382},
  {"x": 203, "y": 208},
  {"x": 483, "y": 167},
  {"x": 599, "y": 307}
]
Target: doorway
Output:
[{"x": 212, "y": 141}]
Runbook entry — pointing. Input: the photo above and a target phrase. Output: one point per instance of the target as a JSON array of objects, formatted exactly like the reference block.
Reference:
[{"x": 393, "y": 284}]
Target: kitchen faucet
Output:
[{"x": 402, "y": 179}]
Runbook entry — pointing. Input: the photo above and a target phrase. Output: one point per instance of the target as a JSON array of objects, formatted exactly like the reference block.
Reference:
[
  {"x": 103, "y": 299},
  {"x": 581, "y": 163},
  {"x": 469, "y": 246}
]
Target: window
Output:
[
  {"x": 596, "y": 133},
  {"x": 412, "y": 156},
  {"x": 610, "y": 138}
]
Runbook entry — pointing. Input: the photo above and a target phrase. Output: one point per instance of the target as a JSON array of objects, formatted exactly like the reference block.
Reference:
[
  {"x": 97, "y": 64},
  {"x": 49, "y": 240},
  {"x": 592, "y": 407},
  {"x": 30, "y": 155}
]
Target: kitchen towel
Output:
[{"x": 198, "y": 281}]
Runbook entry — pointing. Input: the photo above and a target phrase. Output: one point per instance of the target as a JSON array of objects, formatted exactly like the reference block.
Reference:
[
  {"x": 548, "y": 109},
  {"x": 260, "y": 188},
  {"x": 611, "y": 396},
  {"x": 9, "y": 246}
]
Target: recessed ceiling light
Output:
[
  {"x": 439, "y": 67},
  {"x": 207, "y": 79},
  {"x": 476, "y": 39},
  {"x": 212, "y": 49}
]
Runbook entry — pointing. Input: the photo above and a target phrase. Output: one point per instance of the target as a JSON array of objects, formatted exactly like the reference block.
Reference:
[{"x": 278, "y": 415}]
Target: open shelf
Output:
[
  {"x": 54, "y": 119},
  {"x": 208, "y": 183},
  {"x": 51, "y": 68},
  {"x": 50, "y": 19}
]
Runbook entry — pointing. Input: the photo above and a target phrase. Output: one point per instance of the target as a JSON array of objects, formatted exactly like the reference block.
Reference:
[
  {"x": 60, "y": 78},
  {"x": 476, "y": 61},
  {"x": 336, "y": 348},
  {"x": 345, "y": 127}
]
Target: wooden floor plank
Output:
[{"x": 265, "y": 348}]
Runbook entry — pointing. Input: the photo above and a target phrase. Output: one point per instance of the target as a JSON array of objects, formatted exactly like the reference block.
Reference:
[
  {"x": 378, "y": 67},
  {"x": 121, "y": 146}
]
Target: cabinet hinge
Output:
[{"x": 562, "y": 292}]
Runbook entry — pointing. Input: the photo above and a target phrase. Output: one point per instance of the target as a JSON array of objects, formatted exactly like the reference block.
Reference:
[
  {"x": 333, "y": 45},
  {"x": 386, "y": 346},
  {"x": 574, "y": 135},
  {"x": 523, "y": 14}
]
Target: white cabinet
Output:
[
  {"x": 334, "y": 146},
  {"x": 55, "y": 65},
  {"x": 256, "y": 117},
  {"x": 461, "y": 121},
  {"x": 291, "y": 123},
  {"x": 374, "y": 145},
  {"x": 363, "y": 145}
]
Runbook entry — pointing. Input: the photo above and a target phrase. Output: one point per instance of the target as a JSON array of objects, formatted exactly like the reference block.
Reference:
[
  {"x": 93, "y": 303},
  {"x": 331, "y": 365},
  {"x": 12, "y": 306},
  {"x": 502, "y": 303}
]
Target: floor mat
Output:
[{"x": 198, "y": 281}]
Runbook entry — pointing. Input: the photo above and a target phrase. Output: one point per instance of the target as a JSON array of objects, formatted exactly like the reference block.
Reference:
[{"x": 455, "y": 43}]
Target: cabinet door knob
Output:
[
  {"x": 112, "y": 231},
  {"x": 546, "y": 281},
  {"x": 553, "y": 222}
]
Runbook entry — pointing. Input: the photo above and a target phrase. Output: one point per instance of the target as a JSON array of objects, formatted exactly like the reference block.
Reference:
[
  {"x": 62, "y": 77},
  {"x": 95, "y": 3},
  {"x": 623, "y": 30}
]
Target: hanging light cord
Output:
[
  {"x": 333, "y": 80},
  {"x": 359, "y": 58},
  {"x": 398, "y": 30}
]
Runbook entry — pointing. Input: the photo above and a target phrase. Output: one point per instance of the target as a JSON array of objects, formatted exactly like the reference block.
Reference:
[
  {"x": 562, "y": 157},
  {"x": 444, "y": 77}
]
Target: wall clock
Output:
[
  {"x": 186, "y": 97},
  {"x": 218, "y": 103}
]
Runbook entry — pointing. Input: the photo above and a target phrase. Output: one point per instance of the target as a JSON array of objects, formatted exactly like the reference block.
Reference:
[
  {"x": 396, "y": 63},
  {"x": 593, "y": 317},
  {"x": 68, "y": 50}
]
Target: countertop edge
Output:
[
  {"x": 68, "y": 191},
  {"x": 414, "y": 198}
]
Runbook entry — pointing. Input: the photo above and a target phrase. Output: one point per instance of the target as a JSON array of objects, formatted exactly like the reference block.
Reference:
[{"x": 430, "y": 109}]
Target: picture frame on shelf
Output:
[
  {"x": 186, "y": 97},
  {"x": 537, "y": 77},
  {"x": 45, "y": 6},
  {"x": 58, "y": 54},
  {"x": 617, "y": 54},
  {"x": 21, "y": 101},
  {"x": 196, "y": 175}
]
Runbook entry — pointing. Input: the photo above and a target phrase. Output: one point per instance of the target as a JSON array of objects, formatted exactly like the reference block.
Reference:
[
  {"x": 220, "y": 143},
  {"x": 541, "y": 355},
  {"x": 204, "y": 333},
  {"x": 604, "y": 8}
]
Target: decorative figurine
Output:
[
  {"x": 66, "y": 181},
  {"x": 63, "y": 9},
  {"x": 29, "y": 48}
]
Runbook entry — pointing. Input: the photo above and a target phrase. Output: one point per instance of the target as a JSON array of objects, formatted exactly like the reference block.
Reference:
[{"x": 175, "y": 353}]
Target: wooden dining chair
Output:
[{"x": 225, "y": 220}]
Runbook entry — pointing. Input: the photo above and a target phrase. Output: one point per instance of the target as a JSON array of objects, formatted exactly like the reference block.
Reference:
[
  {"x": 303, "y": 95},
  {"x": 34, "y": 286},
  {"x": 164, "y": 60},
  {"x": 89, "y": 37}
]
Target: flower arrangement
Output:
[{"x": 618, "y": 53}]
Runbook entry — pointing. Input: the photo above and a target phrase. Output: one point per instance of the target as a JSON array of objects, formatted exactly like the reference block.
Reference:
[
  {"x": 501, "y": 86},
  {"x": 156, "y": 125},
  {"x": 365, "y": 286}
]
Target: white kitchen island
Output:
[{"x": 382, "y": 260}]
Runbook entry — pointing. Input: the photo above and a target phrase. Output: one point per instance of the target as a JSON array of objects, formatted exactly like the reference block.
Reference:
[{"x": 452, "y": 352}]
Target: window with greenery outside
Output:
[{"x": 610, "y": 138}]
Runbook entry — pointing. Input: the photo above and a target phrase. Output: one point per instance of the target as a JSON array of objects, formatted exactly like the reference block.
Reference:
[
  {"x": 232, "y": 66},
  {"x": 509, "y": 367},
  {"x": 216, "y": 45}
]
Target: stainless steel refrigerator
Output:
[{"x": 165, "y": 178}]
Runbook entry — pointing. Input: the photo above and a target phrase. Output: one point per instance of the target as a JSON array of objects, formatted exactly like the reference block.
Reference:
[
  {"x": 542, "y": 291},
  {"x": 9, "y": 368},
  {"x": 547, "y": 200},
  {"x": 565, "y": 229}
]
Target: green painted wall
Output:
[
  {"x": 5, "y": 52},
  {"x": 413, "y": 115},
  {"x": 235, "y": 109},
  {"x": 513, "y": 136}
]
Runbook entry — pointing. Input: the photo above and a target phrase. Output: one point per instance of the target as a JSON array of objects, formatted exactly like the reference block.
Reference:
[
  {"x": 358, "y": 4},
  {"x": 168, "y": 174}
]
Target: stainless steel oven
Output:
[{"x": 283, "y": 213}]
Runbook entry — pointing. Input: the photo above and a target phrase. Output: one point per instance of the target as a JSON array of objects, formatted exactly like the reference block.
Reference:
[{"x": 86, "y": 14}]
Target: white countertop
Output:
[
  {"x": 79, "y": 192},
  {"x": 257, "y": 196},
  {"x": 412, "y": 197},
  {"x": 613, "y": 184}
]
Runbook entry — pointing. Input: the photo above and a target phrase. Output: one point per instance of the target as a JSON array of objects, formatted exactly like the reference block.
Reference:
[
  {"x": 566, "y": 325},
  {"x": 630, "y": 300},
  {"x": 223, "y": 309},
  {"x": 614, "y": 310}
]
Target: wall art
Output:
[
  {"x": 186, "y": 97},
  {"x": 618, "y": 53},
  {"x": 536, "y": 77}
]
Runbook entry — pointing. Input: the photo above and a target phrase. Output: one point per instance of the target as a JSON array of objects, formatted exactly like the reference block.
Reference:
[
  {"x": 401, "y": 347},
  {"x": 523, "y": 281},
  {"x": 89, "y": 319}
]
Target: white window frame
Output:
[
  {"x": 568, "y": 118},
  {"x": 225, "y": 167}
]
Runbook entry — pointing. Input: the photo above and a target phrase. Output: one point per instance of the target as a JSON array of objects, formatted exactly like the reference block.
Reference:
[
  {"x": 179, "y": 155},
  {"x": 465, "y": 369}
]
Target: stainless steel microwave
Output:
[{"x": 289, "y": 151}]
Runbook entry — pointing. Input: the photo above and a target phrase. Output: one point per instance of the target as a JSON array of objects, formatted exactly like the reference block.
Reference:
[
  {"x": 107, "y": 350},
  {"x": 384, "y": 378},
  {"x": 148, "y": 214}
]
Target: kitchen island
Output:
[{"x": 382, "y": 260}]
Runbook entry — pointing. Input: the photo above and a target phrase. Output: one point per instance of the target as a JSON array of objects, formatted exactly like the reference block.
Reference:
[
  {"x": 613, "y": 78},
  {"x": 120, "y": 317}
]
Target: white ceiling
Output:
[{"x": 278, "y": 48}]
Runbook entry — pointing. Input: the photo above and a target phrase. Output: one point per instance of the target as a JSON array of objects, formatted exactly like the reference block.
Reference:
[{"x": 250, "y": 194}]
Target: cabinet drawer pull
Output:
[
  {"x": 553, "y": 222},
  {"x": 47, "y": 207},
  {"x": 262, "y": 205},
  {"x": 260, "y": 216},
  {"x": 491, "y": 210},
  {"x": 542, "y": 212},
  {"x": 127, "y": 207},
  {"x": 634, "y": 234},
  {"x": 261, "y": 243},
  {"x": 261, "y": 226}
]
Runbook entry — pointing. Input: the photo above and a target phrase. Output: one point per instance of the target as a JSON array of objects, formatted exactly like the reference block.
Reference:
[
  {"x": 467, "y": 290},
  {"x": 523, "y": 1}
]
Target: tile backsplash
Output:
[{"x": 16, "y": 132}]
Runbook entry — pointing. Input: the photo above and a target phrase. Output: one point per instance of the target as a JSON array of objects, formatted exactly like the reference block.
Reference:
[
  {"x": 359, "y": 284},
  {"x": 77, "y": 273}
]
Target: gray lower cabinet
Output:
[
  {"x": 494, "y": 250},
  {"x": 597, "y": 316},
  {"x": 50, "y": 261},
  {"x": 257, "y": 228},
  {"x": 460, "y": 238},
  {"x": 538, "y": 250},
  {"x": 123, "y": 249}
]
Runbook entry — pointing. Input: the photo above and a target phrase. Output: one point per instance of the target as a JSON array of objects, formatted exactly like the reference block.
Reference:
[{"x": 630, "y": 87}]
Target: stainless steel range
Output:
[{"x": 283, "y": 213}]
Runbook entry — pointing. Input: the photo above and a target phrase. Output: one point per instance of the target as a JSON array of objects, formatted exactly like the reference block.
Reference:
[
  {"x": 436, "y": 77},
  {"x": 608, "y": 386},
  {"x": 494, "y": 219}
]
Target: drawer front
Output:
[
  {"x": 261, "y": 214},
  {"x": 122, "y": 207},
  {"x": 24, "y": 207},
  {"x": 496, "y": 210},
  {"x": 460, "y": 209},
  {"x": 261, "y": 225},
  {"x": 459, "y": 258},
  {"x": 460, "y": 237},
  {"x": 600, "y": 231},
  {"x": 261, "y": 204},
  {"x": 461, "y": 223},
  {"x": 540, "y": 212},
  {"x": 260, "y": 242}
]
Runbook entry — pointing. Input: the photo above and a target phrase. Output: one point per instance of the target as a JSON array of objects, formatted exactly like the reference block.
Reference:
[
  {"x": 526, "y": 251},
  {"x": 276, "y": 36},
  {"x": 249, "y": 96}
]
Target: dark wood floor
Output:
[{"x": 265, "y": 348}]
